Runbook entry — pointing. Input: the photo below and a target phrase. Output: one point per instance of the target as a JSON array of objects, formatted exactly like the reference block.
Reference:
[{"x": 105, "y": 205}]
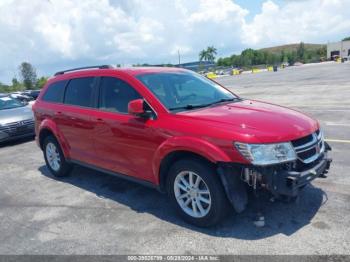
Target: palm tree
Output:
[
  {"x": 203, "y": 55},
  {"x": 208, "y": 54},
  {"x": 211, "y": 51}
]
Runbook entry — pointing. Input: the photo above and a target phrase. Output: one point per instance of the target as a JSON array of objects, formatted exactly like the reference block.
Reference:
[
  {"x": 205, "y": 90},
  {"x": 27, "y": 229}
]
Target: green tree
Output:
[
  {"x": 28, "y": 75},
  {"x": 226, "y": 61},
  {"x": 203, "y": 55},
  {"x": 284, "y": 57},
  {"x": 346, "y": 38},
  {"x": 247, "y": 57},
  {"x": 259, "y": 57},
  {"x": 236, "y": 60},
  {"x": 220, "y": 61},
  {"x": 208, "y": 54},
  {"x": 322, "y": 52},
  {"x": 41, "y": 82},
  {"x": 4, "y": 88},
  {"x": 301, "y": 51},
  {"x": 16, "y": 85},
  {"x": 250, "y": 57},
  {"x": 211, "y": 51},
  {"x": 272, "y": 59},
  {"x": 292, "y": 57}
]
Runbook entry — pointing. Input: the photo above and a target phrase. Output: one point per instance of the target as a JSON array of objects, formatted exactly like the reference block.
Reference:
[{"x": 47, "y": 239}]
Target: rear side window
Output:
[
  {"x": 54, "y": 92},
  {"x": 115, "y": 95},
  {"x": 79, "y": 92}
]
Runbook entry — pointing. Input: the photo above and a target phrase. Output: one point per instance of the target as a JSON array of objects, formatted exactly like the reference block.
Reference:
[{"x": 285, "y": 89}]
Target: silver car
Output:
[{"x": 16, "y": 119}]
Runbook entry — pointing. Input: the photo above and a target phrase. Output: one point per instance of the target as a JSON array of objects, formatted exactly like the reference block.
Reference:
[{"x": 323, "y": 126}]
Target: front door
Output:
[{"x": 123, "y": 143}]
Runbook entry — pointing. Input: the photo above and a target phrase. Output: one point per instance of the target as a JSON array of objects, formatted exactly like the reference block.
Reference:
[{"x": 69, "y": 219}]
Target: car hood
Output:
[
  {"x": 16, "y": 114},
  {"x": 255, "y": 121}
]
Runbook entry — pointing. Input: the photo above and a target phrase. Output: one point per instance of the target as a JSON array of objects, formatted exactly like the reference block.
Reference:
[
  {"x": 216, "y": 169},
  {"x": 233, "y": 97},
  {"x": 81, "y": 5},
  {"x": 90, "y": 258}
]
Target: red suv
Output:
[{"x": 179, "y": 132}]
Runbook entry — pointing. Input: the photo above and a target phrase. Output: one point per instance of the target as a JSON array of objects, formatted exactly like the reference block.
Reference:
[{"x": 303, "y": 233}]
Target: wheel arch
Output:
[
  {"x": 47, "y": 128},
  {"x": 173, "y": 157},
  {"x": 45, "y": 132},
  {"x": 175, "y": 149}
]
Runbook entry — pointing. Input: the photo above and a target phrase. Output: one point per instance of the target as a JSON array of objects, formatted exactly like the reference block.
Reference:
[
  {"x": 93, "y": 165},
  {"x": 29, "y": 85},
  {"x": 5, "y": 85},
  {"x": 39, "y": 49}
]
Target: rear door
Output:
[{"x": 74, "y": 118}]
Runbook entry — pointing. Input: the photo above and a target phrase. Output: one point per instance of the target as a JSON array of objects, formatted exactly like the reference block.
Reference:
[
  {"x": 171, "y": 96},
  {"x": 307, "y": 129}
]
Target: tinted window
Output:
[
  {"x": 79, "y": 92},
  {"x": 54, "y": 92},
  {"x": 115, "y": 94}
]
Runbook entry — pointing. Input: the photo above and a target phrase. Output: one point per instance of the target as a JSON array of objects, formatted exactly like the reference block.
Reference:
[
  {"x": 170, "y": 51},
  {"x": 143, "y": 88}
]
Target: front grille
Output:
[
  {"x": 310, "y": 147},
  {"x": 302, "y": 141},
  {"x": 18, "y": 128},
  {"x": 318, "y": 132},
  {"x": 307, "y": 154}
]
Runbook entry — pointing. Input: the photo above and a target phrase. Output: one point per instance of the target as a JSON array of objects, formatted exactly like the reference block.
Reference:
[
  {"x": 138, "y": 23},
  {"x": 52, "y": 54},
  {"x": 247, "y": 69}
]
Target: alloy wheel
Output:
[
  {"x": 192, "y": 194},
  {"x": 53, "y": 156}
]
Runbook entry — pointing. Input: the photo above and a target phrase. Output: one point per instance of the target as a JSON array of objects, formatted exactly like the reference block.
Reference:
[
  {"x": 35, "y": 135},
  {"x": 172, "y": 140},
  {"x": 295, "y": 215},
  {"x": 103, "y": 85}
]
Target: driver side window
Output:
[{"x": 115, "y": 95}]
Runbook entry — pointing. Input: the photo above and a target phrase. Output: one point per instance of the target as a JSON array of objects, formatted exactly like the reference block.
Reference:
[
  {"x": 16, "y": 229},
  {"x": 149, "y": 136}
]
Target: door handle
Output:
[{"x": 72, "y": 118}]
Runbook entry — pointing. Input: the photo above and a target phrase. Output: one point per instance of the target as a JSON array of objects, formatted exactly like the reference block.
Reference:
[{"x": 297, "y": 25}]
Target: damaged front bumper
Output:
[
  {"x": 279, "y": 179},
  {"x": 288, "y": 183}
]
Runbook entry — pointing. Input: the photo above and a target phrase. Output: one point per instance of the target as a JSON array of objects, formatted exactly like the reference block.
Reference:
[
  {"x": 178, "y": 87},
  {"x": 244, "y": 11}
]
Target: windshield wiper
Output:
[
  {"x": 226, "y": 100},
  {"x": 189, "y": 106}
]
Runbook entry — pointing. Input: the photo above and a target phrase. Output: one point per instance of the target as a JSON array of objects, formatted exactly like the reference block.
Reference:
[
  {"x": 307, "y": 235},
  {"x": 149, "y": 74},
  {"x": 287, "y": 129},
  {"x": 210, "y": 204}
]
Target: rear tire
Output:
[
  {"x": 196, "y": 192},
  {"x": 54, "y": 158}
]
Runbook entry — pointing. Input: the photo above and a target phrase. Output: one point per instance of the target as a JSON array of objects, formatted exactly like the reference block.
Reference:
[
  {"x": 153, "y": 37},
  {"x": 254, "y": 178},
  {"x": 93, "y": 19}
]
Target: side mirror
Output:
[{"x": 136, "y": 108}]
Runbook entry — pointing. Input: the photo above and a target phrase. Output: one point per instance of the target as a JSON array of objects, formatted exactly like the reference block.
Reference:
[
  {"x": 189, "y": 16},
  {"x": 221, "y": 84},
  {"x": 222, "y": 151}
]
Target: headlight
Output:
[{"x": 266, "y": 154}]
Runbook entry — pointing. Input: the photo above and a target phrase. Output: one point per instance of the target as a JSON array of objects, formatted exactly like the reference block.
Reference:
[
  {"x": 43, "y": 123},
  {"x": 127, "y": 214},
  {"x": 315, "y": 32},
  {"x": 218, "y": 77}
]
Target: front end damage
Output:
[{"x": 281, "y": 180}]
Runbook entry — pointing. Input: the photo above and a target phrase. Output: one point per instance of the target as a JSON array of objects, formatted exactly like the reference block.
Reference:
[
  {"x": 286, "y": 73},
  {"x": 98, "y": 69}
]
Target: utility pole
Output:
[{"x": 178, "y": 54}]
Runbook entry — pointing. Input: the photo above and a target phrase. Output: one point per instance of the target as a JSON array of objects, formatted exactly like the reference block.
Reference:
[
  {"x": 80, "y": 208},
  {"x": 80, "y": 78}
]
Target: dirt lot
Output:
[{"x": 93, "y": 213}]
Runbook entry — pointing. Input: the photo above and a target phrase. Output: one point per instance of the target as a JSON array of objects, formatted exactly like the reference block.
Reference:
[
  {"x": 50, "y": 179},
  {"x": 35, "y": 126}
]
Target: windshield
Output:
[
  {"x": 8, "y": 103},
  {"x": 185, "y": 90}
]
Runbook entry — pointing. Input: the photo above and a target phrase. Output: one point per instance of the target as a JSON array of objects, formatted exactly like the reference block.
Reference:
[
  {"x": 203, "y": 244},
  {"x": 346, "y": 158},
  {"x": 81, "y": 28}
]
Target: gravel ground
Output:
[{"x": 93, "y": 213}]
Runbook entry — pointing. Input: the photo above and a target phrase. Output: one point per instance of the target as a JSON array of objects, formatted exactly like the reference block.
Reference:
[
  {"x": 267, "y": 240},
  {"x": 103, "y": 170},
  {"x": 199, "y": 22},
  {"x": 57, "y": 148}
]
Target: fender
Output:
[
  {"x": 190, "y": 144},
  {"x": 51, "y": 126}
]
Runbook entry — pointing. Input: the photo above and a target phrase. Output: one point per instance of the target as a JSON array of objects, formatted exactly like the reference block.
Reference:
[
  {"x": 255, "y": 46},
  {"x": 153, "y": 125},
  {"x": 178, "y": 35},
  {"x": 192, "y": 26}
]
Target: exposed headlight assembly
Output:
[{"x": 267, "y": 154}]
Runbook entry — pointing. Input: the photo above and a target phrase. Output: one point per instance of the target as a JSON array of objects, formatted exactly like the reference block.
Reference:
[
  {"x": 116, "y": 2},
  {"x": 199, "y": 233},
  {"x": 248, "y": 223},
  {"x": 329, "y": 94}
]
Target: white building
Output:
[{"x": 341, "y": 49}]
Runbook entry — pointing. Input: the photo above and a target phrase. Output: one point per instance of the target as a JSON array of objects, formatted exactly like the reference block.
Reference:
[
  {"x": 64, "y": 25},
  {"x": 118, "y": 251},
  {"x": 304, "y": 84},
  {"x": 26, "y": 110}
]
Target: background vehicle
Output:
[
  {"x": 32, "y": 93},
  {"x": 16, "y": 119},
  {"x": 21, "y": 96},
  {"x": 179, "y": 132}
]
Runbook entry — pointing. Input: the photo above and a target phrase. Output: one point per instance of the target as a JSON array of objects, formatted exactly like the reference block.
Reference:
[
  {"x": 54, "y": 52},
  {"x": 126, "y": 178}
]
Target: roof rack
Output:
[{"x": 85, "y": 67}]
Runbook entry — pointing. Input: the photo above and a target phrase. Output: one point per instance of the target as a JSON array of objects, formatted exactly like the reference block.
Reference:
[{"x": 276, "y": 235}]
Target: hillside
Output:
[{"x": 290, "y": 48}]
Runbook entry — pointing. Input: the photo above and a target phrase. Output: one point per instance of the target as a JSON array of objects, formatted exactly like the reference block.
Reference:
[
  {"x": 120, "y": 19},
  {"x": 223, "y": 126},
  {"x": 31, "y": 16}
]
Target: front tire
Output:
[
  {"x": 54, "y": 158},
  {"x": 196, "y": 192}
]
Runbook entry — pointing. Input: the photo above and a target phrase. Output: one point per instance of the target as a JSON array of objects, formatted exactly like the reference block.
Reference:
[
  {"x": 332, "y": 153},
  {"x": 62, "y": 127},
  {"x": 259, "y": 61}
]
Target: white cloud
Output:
[
  {"x": 217, "y": 11},
  {"x": 56, "y": 34},
  {"x": 295, "y": 21},
  {"x": 66, "y": 32}
]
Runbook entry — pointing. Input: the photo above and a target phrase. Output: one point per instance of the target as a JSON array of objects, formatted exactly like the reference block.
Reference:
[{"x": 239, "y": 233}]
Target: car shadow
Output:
[
  {"x": 280, "y": 217},
  {"x": 16, "y": 141}
]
